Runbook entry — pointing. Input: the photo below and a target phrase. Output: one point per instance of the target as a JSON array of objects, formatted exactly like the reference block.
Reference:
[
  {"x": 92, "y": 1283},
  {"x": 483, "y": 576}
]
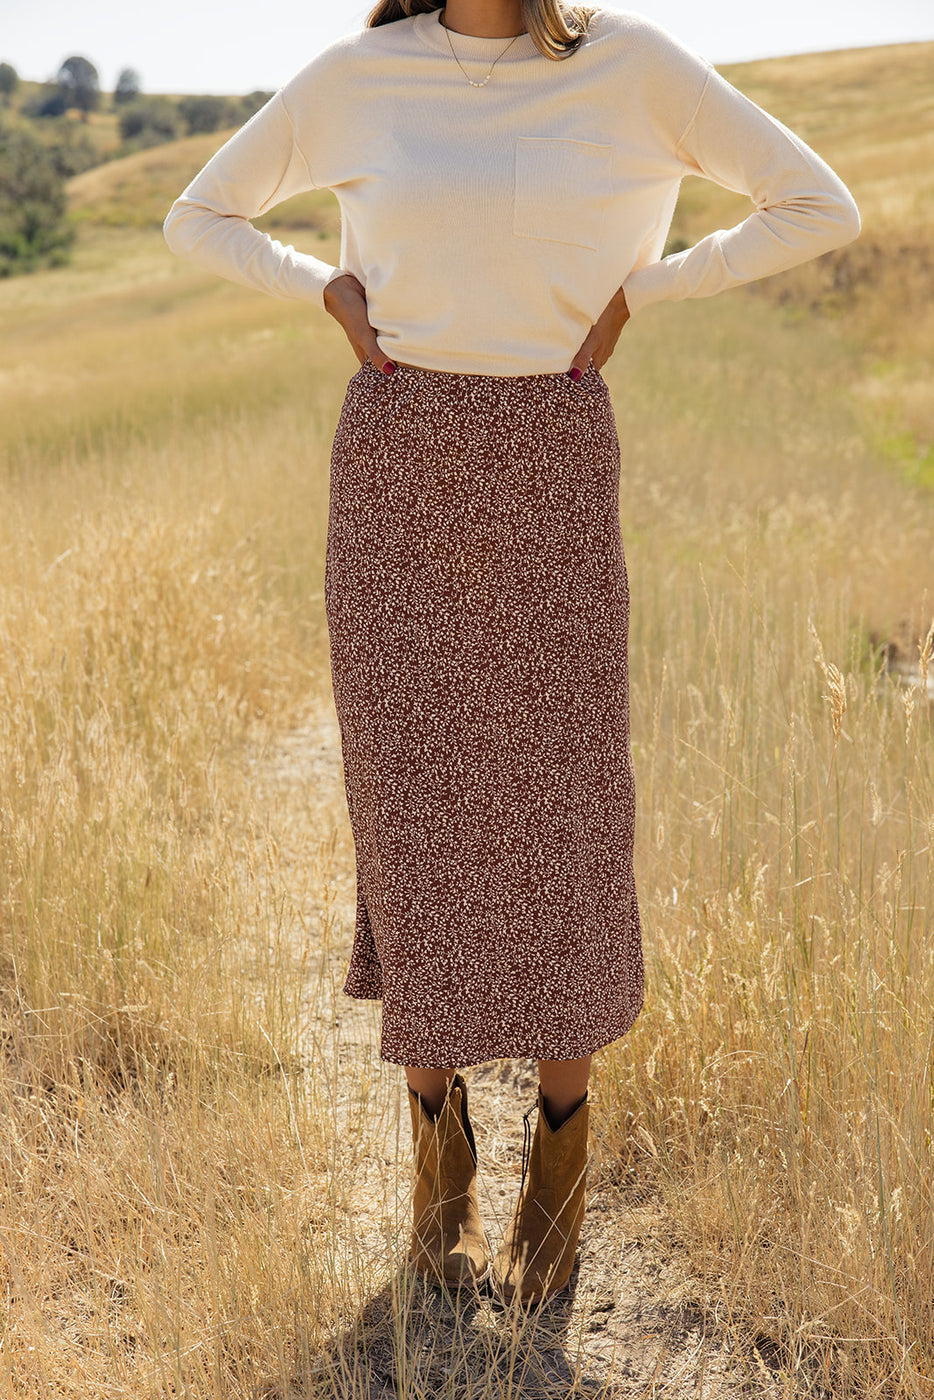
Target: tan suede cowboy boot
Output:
[
  {"x": 537, "y": 1255},
  {"x": 449, "y": 1245}
]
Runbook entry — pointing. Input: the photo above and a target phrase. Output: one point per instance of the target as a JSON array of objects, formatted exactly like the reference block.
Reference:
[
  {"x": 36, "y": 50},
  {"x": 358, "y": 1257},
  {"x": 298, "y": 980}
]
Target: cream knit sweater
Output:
[{"x": 491, "y": 226}]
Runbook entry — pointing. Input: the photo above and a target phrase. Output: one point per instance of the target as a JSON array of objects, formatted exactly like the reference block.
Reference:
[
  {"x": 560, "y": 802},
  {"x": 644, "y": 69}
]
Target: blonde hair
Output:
[{"x": 558, "y": 29}]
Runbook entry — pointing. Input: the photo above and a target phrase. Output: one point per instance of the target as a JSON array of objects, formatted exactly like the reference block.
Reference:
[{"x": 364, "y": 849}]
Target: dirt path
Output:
[{"x": 628, "y": 1326}]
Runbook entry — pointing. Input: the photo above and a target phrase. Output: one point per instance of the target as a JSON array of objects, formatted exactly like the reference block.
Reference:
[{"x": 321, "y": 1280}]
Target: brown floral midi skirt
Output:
[{"x": 478, "y": 612}]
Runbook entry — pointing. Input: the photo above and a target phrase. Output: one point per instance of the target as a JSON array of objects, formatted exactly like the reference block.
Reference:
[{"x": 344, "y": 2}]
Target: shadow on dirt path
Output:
[{"x": 629, "y": 1324}]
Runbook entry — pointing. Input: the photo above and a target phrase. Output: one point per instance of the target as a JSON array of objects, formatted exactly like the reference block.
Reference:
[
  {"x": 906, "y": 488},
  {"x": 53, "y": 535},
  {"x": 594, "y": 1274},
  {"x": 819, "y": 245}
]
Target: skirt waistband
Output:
[{"x": 546, "y": 376}]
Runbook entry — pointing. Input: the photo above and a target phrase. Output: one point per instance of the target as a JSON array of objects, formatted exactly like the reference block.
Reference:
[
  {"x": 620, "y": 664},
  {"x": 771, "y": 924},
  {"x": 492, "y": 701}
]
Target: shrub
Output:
[
  {"x": 202, "y": 114},
  {"x": 9, "y": 81},
  {"x": 32, "y": 205},
  {"x": 49, "y": 101},
  {"x": 149, "y": 122},
  {"x": 72, "y": 150}
]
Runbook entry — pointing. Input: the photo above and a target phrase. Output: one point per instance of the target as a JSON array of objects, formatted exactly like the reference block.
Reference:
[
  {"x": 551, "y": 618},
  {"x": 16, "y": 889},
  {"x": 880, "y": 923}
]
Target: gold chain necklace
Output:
[{"x": 461, "y": 66}]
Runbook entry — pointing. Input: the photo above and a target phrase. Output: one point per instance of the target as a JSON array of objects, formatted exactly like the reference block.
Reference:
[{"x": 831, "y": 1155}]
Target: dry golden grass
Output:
[
  {"x": 199, "y": 1152},
  {"x": 869, "y": 113}
]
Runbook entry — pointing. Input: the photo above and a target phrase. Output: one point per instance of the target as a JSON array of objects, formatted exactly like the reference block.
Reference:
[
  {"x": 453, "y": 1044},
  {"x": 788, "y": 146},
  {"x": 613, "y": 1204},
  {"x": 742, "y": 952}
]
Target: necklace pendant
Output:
[{"x": 489, "y": 75}]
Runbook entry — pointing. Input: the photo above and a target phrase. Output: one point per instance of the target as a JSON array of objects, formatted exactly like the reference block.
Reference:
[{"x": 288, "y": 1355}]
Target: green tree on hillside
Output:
[
  {"x": 79, "y": 84},
  {"x": 149, "y": 122},
  {"x": 202, "y": 114},
  {"x": 32, "y": 205},
  {"x": 128, "y": 87},
  {"x": 9, "y": 82}
]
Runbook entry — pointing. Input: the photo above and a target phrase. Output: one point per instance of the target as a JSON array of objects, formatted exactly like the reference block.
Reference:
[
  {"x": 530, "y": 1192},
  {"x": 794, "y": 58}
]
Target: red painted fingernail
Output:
[
  {"x": 389, "y": 367},
  {"x": 575, "y": 373}
]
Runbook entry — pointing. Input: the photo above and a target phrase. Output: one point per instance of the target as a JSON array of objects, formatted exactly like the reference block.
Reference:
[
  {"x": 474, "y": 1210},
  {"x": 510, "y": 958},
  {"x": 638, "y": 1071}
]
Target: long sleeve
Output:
[
  {"x": 489, "y": 239},
  {"x": 802, "y": 208},
  {"x": 209, "y": 223}
]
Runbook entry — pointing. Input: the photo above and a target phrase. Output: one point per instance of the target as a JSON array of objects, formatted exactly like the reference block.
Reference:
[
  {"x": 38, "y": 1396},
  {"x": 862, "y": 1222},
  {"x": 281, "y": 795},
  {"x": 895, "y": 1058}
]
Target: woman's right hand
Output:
[{"x": 345, "y": 300}]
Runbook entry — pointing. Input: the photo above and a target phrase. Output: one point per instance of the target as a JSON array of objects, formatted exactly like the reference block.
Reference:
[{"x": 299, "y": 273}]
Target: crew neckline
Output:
[{"x": 429, "y": 28}]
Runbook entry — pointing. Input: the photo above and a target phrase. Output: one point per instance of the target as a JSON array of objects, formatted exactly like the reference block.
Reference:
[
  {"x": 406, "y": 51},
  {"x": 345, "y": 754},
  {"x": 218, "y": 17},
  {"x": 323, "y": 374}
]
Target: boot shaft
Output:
[
  {"x": 537, "y": 1255},
  {"x": 448, "y": 1240},
  {"x": 444, "y": 1146},
  {"x": 558, "y": 1157}
]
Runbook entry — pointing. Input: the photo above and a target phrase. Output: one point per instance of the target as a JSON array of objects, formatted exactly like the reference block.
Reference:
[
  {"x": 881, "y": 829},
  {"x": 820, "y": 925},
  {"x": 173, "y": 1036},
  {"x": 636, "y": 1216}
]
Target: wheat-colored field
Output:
[{"x": 203, "y": 1160}]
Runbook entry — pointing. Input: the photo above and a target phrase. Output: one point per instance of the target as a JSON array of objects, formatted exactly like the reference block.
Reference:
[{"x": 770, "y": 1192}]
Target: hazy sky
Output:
[{"x": 239, "y": 45}]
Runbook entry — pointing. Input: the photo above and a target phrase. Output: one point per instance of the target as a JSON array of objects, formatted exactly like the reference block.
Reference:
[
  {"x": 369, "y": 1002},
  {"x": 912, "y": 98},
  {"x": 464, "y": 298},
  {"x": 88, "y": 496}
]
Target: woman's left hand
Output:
[{"x": 604, "y": 333}]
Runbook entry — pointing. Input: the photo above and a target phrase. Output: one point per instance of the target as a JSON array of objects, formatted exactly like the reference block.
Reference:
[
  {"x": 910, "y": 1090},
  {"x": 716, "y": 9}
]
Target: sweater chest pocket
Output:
[{"x": 562, "y": 187}]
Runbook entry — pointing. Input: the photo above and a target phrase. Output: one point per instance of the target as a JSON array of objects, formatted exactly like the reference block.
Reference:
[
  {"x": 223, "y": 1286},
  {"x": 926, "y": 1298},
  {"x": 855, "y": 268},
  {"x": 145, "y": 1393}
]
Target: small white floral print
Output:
[{"x": 478, "y": 611}]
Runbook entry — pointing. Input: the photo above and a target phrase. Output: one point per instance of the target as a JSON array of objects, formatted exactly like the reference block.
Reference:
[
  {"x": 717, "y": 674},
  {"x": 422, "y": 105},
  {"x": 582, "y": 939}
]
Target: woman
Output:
[{"x": 506, "y": 172}]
